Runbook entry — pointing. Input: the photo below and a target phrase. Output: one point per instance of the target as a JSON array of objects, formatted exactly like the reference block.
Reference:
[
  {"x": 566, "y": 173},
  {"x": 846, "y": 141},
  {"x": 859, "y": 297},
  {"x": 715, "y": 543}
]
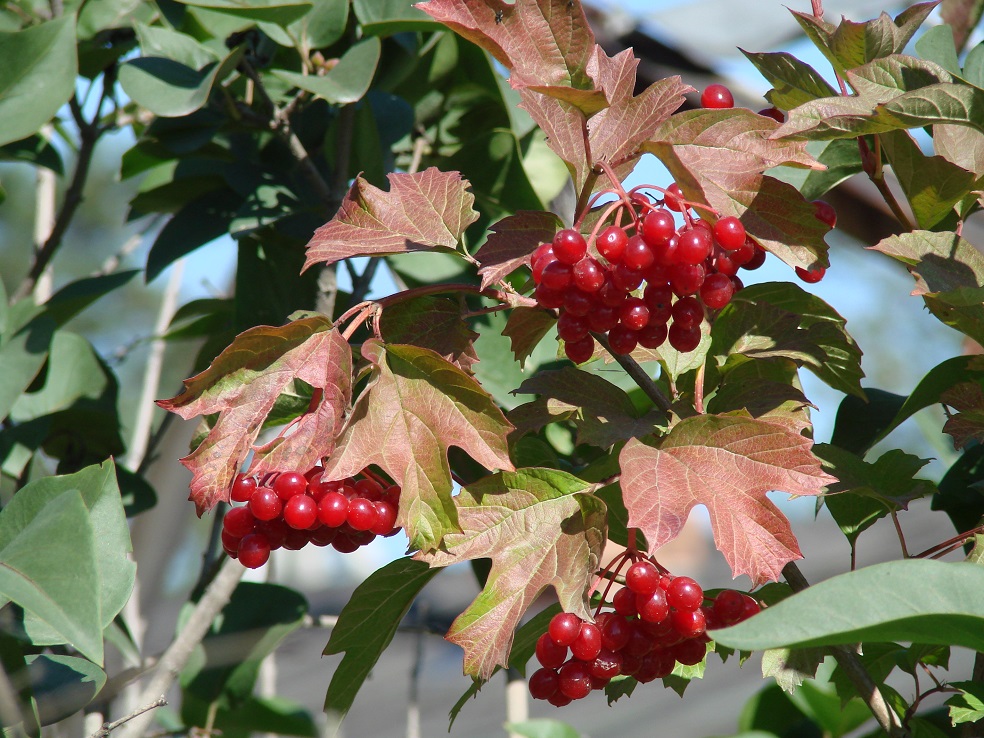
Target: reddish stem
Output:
[{"x": 951, "y": 543}]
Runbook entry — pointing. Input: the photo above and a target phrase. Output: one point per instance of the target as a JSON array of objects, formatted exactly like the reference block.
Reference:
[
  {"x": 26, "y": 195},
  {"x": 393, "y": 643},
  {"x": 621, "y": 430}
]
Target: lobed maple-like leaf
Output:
[
  {"x": 727, "y": 464},
  {"x": 564, "y": 126},
  {"x": 967, "y": 424},
  {"x": 768, "y": 390},
  {"x": 512, "y": 241},
  {"x": 242, "y": 385},
  {"x": 719, "y": 157},
  {"x": 541, "y": 528},
  {"x": 421, "y": 211},
  {"x": 525, "y": 328},
  {"x": 418, "y": 404},
  {"x": 434, "y": 323}
]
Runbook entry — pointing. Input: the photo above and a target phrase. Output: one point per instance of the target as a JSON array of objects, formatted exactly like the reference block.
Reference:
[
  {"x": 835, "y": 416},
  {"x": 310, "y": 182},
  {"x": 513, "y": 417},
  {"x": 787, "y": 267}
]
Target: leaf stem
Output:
[
  {"x": 638, "y": 374},
  {"x": 950, "y": 543},
  {"x": 871, "y": 161},
  {"x": 699, "y": 389},
  {"x": 852, "y": 666},
  {"x": 901, "y": 535}
]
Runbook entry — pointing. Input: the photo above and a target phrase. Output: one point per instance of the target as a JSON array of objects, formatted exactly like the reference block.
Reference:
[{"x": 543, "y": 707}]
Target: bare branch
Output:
[
  {"x": 638, "y": 374},
  {"x": 107, "y": 728}
]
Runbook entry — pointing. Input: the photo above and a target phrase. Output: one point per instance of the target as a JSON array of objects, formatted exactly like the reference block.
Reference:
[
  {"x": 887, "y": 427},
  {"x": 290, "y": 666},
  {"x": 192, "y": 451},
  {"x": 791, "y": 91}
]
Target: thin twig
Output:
[
  {"x": 177, "y": 654},
  {"x": 901, "y": 535},
  {"x": 107, "y": 728},
  {"x": 854, "y": 669},
  {"x": 638, "y": 374}
]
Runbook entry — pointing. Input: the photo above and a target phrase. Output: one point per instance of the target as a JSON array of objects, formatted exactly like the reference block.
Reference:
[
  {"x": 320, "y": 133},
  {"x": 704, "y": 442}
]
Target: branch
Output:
[
  {"x": 177, "y": 654},
  {"x": 107, "y": 728},
  {"x": 638, "y": 374},
  {"x": 852, "y": 666}
]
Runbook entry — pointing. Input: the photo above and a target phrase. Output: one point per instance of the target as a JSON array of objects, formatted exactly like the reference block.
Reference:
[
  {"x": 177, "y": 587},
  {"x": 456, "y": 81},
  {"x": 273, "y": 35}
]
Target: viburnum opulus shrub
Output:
[{"x": 648, "y": 274}]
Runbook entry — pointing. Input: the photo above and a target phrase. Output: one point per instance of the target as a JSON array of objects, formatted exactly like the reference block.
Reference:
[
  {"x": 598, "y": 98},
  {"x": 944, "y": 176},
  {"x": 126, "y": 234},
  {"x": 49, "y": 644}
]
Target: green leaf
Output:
[
  {"x": 878, "y": 659},
  {"x": 76, "y": 296},
  {"x": 961, "y": 494},
  {"x": 387, "y": 17},
  {"x": 368, "y": 623},
  {"x": 842, "y": 159},
  {"x": 180, "y": 47},
  {"x": 932, "y": 184},
  {"x": 767, "y": 389},
  {"x": 793, "y": 82},
  {"x": 860, "y": 423},
  {"x": 111, "y": 535},
  {"x": 347, "y": 81},
  {"x": 943, "y": 604},
  {"x": 540, "y": 528},
  {"x": 172, "y": 89},
  {"x": 791, "y": 667},
  {"x": 968, "y": 706},
  {"x": 38, "y": 66},
  {"x": 435, "y": 323},
  {"x": 281, "y": 12},
  {"x": 526, "y": 328},
  {"x": 249, "y": 628},
  {"x": 36, "y": 150},
  {"x": 973, "y": 70},
  {"x": 253, "y": 715},
  {"x": 771, "y": 711},
  {"x": 543, "y": 728},
  {"x": 949, "y": 274},
  {"x": 21, "y": 357},
  {"x": 48, "y": 566},
  {"x": 936, "y": 45},
  {"x": 62, "y": 685},
  {"x": 322, "y": 25}
]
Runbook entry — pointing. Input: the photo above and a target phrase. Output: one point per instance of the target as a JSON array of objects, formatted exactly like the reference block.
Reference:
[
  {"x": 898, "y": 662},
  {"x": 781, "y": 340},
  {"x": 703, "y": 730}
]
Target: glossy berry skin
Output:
[
  {"x": 569, "y": 246},
  {"x": 688, "y": 623},
  {"x": 289, "y": 484},
  {"x": 254, "y": 551},
  {"x": 674, "y": 198},
  {"x": 658, "y": 227},
  {"x": 300, "y": 512},
  {"x": 611, "y": 244},
  {"x": 333, "y": 509},
  {"x": 549, "y": 298},
  {"x": 717, "y": 96},
  {"x": 624, "y": 602},
  {"x": 812, "y": 276},
  {"x": 603, "y": 318},
  {"x": 653, "y": 607},
  {"x": 625, "y": 278},
  {"x": 687, "y": 312},
  {"x": 544, "y": 683},
  {"x": 548, "y": 653},
  {"x": 684, "y": 340},
  {"x": 694, "y": 246},
  {"x": 575, "y": 680},
  {"x": 653, "y": 335},
  {"x": 238, "y": 522},
  {"x": 689, "y": 652},
  {"x": 684, "y": 594},
  {"x": 729, "y": 233},
  {"x": 588, "y": 275},
  {"x": 622, "y": 340},
  {"x": 757, "y": 260},
  {"x": 825, "y": 212},
  {"x": 775, "y": 113},
  {"x": 242, "y": 488},
  {"x": 751, "y": 607},
  {"x": 587, "y": 646},
  {"x": 572, "y": 327},
  {"x": 578, "y": 302},
  {"x": 580, "y": 351},
  {"x": 362, "y": 514},
  {"x": 642, "y": 578},
  {"x": 633, "y": 315},
  {"x": 729, "y": 606},
  {"x": 686, "y": 279},
  {"x": 556, "y": 276},
  {"x": 637, "y": 256},
  {"x": 606, "y": 665},
  {"x": 615, "y": 633},
  {"x": 564, "y": 628},
  {"x": 386, "y": 513},
  {"x": 659, "y": 300},
  {"x": 717, "y": 291},
  {"x": 265, "y": 504}
]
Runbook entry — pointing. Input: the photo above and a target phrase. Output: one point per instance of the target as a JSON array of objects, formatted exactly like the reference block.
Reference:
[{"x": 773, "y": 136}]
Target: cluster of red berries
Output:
[
  {"x": 290, "y": 510},
  {"x": 656, "y": 621}
]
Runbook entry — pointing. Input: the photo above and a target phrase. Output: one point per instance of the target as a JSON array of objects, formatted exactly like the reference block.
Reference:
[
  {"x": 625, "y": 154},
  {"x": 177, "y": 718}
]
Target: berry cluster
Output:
[
  {"x": 656, "y": 621},
  {"x": 291, "y": 509}
]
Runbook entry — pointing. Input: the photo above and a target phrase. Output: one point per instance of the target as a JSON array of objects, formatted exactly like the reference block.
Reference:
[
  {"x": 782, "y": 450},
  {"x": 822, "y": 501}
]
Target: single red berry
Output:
[
  {"x": 812, "y": 276},
  {"x": 652, "y": 607},
  {"x": 630, "y": 664},
  {"x": 265, "y": 504},
  {"x": 717, "y": 96},
  {"x": 739, "y": 285},
  {"x": 694, "y": 245},
  {"x": 668, "y": 254},
  {"x": 653, "y": 335},
  {"x": 825, "y": 212},
  {"x": 684, "y": 594},
  {"x": 587, "y": 645},
  {"x": 686, "y": 279},
  {"x": 729, "y": 606},
  {"x": 689, "y": 652},
  {"x": 275, "y": 530},
  {"x": 659, "y": 300},
  {"x": 642, "y": 577},
  {"x": 751, "y": 607},
  {"x": 230, "y": 544},
  {"x": 606, "y": 665},
  {"x": 622, "y": 340},
  {"x": 544, "y": 683},
  {"x": 624, "y": 602},
  {"x": 683, "y": 339},
  {"x": 610, "y": 294},
  {"x": 657, "y": 664},
  {"x": 580, "y": 351},
  {"x": 725, "y": 263},
  {"x": 564, "y": 628},
  {"x": 386, "y": 513},
  {"x": 688, "y": 623},
  {"x": 633, "y": 314},
  {"x": 615, "y": 633},
  {"x": 549, "y": 298},
  {"x": 729, "y": 233},
  {"x": 717, "y": 291},
  {"x": 295, "y": 540},
  {"x": 557, "y": 276},
  {"x": 548, "y": 653},
  {"x": 775, "y": 113},
  {"x": 319, "y": 487},
  {"x": 569, "y": 246},
  {"x": 289, "y": 484},
  {"x": 369, "y": 489},
  {"x": 362, "y": 514},
  {"x": 639, "y": 641},
  {"x": 673, "y": 198},
  {"x": 238, "y": 522},
  {"x": 658, "y": 227},
  {"x": 637, "y": 256},
  {"x": 657, "y": 275},
  {"x": 744, "y": 253},
  {"x": 572, "y": 327},
  {"x": 575, "y": 680},
  {"x": 603, "y": 318},
  {"x": 333, "y": 509},
  {"x": 344, "y": 543},
  {"x": 540, "y": 261},
  {"x": 254, "y": 550},
  {"x": 323, "y": 536},
  {"x": 300, "y": 512},
  {"x": 611, "y": 244},
  {"x": 687, "y": 312},
  {"x": 242, "y": 488},
  {"x": 588, "y": 275},
  {"x": 625, "y": 278},
  {"x": 757, "y": 260},
  {"x": 559, "y": 699}
]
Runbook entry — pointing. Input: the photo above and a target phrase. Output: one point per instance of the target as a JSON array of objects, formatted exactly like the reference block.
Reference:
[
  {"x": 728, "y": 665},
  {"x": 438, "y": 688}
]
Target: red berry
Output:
[
  {"x": 812, "y": 276},
  {"x": 369, "y": 489},
  {"x": 238, "y": 522},
  {"x": 333, "y": 509},
  {"x": 543, "y": 684},
  {"x": 729, "y": 606},
  {"x": 230, "y": 544},
  {"x": 757, "y": 260},
  {"x": 344, "y": 543},
  {"x": 638, "y": 255},
  {"x": 254, "y": 550},
  {"x": 683, "y": 339},
  {"x": 656, "y": 664},
  {"x": 625, "y": 278},
  {"x": 587, "y": 646},
  {"x": 265, "y": 504},
  {"x": 729, "y": 233},
  {"x": 686, "y": 279},
  {"x": 540, "y": 261},
  {"x": 688, "y": 623},
  {"x": 744, "y": 253},
  {"x": 588, "y": 275},
  {"x": 633, "y": 314},
  {"x": 569, "y": 246},
  {"x": 564, "y": 628},
  {"x": 642, "y": 577},
  {"x": 242, "y": 488},
  {"x": 622, "y": 340},
  {"x": 572, "y": 327},
  {"x": 726, "y": 264},
  {"x": 556, "y": 276},
  {"x": 668, "y": 254},
  {"x": 300, "y": 512},
  {"x": 653, "y": 335},
  {"x": 295, "y": 540},
  {"x": 548, "y": 653},
  {"x": 549, "y": 298},
  {"x": 639, "y": 641},
  {"x": 615, "y": 633},
  {"x": 684, "y": 594},
  {"x": 689, "y": 652},
  {"x": 575, "y": 680},
  {"x": 580, "y": 351},
  {"x": 694, "y": 245},
  {"x": 652, "y": 607},
  {"x": 673, "y": 198},
  {"x": 275, "y": 530},
  {"x": 559, "y": 699},
  {"x": 362, "y": 514},
  {"x": 751, "y": 607},
  {"x": 624, "y": 602},
  {"x": 717, "y": 290},
  {"x": 323, "y": 536},
  {"x": 687, "y": 312},
  {"x": 610, "y": 294},
  {"x": 611, "y": 244},
  {"x": 289, "y": 484},
  {"x": 659, "y": 300},
  {"x": 603, "y": 318},
  {"x": 825, "y": 212},
  {"x": 606, "y": 665},
  {"x": 717, "y": 96},
  {"x": 386, "y": 513},
  {"x": 658, "y": 227},
  {"x": 775, "y": 113}
]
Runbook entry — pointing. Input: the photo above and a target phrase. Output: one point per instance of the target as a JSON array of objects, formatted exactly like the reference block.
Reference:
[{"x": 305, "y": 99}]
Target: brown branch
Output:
[
  {"x": 107, "y": 728},
  {"x": 638, "y": 374},
  {"x": 854, "y": 669}
]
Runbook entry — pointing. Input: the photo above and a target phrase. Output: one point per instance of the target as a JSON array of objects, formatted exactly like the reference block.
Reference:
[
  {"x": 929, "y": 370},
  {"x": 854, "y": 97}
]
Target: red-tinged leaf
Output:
[
  {"x": 434, "y": 323},
  {"x": 718, "y": 157},
  {"x": 540, "y": 528},
  {"x": 512, "y": 241},
  {"x": 545, "y": 44},
  {"x": 967, "y": 424},
  {"x": 415, "y": 407},
  {"x": 525, "y": 328},
  {"x": 564, "y": 126},
  {"x": 243, "y": 384},
  {"x": 602, "y": 413},
  {"x": 421, "y": 211},
  {"x": 768, "y": 390},
  {"x": 727, "y": 464}
]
